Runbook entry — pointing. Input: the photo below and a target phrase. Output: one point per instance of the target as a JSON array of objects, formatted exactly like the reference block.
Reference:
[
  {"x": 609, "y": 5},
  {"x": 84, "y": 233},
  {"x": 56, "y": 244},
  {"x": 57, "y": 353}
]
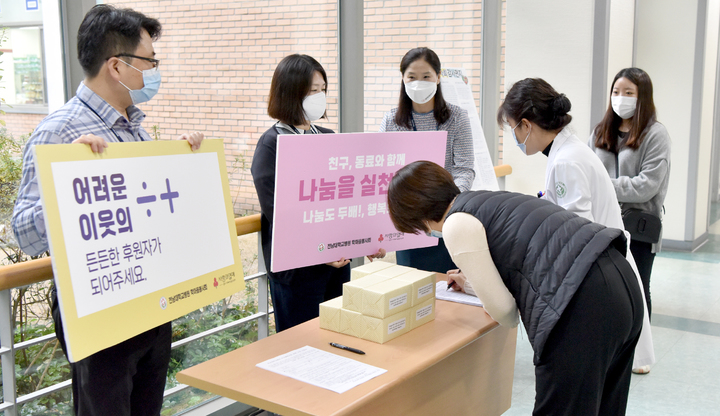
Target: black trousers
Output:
[
  {"x": 432, "y": 259},
  {"x": 586, "y": 363},
  {"x": 127, "y": 379},
  {"x": 644, "y": 258},
  {"x": 299, "y": 300}
]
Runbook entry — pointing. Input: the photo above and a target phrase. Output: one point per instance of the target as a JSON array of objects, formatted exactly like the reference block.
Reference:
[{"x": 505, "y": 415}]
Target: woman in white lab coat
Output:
[{"x": 575, "y": 178}]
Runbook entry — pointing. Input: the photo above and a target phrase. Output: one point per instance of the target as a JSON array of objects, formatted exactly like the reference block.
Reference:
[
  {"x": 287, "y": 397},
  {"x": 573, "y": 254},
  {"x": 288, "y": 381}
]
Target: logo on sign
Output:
[
  {"x": 321, "y": 247},
  {"x": 163, "y": 303}
]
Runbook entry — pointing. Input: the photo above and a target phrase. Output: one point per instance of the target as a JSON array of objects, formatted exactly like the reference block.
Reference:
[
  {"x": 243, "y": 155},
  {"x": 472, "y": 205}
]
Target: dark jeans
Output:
[
  {"x": 586, "y": 363},
  {"x": 127, "y": 379},
  {"x": 298, "y": 301},
  {"x": 644, "y": 258},
  {"x": 432, "y": 259}
]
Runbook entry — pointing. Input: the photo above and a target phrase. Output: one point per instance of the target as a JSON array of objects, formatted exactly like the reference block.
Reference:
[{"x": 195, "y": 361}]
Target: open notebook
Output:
[{"x": 451, "y": 295}]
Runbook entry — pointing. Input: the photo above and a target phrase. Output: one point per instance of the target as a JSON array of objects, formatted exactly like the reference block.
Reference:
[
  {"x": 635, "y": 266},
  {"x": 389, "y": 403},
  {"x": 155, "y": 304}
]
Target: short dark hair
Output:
[
  {"x": 404, "y": 111},
  {"x": 537, "y": 101},
  {"x": 291, "y": 83},
  {"x": 606, "y": 132},
  {"x": 419, "y": 192},
  {"x": 107, "y": 31}
]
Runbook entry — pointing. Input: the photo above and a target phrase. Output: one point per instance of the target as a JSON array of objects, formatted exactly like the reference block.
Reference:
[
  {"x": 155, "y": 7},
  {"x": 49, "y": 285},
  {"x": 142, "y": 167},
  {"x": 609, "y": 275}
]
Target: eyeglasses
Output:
[{"x": 155, "y": 62}]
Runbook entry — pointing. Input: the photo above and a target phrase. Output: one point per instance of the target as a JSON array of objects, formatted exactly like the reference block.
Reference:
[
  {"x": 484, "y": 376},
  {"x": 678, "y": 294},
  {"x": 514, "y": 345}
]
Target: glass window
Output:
[
  {"x": 217, "y": 62},
  {"x": 22, "y": 67},
  {"x": 23, "y": 85},
  {"x": 451, "y": 28}
]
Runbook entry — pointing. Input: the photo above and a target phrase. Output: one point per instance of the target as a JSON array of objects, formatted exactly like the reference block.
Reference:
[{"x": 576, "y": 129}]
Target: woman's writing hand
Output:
[{"x": 456, "y": 279}]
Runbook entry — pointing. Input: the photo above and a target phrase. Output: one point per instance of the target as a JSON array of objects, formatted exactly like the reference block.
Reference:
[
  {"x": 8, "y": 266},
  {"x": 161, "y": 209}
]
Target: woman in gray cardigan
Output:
[{"x": 635, "y": 149}]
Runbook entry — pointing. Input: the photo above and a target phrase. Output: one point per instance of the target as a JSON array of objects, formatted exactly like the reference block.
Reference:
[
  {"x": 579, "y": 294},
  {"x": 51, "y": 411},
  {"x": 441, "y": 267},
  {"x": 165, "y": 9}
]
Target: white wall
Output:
[
  {"x": 554, "y": 41},
  {"x": 550, "y": 40},
  {"x": 52, "y": 36},
  {"x": 708, "y": 111},
  {"x": 666, "y": 51},
  {"x": 14, "y": 11},
  {"x": 620, "y": 38}
]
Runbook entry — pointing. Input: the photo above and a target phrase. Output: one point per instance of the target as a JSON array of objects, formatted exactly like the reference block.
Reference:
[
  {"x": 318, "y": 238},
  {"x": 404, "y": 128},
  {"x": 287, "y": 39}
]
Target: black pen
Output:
[
  {"x": 450, "y": 284},
  {"x": 342, "y": 347}
]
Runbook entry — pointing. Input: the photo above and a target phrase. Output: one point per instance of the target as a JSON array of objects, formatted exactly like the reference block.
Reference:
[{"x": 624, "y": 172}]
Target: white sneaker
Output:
[{"x": 641, "y": 370}]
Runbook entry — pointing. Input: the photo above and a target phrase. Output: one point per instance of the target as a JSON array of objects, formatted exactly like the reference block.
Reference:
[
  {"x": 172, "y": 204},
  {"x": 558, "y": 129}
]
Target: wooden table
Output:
[{"x": 461, "y": 363}]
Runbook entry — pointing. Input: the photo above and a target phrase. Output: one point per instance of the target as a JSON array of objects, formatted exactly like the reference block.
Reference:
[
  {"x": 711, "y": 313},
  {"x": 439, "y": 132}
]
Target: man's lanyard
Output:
[
  {"x": 101, "y": 119},
  {"x": 412, "y": 123}
]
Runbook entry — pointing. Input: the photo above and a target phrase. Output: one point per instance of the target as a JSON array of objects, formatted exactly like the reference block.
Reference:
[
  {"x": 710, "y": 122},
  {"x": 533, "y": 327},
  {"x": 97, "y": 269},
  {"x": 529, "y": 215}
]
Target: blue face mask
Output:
[
  {"x": 521, "y": 145},
  {"x": 433, "y": 233},
  {"x": 151, "y": 81},
  {"x": 436, "y": 234}
]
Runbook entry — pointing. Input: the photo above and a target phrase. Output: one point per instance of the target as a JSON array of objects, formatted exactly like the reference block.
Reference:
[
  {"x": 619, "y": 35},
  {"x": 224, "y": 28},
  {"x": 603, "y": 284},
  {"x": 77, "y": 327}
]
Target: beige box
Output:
[
  {"x": 330, "y": 314},
  {"x": 352, "y": 291},
  {"x": 394, "y": 271},
  {"x": 422, "y": 313},
  {"x": 423, "y": 285},
  {"x": 369, "y": 268},
  {"x": 383, "y": 330},
  {"x": 386, "y": 298},
  {"x": 352, "y": 323}
]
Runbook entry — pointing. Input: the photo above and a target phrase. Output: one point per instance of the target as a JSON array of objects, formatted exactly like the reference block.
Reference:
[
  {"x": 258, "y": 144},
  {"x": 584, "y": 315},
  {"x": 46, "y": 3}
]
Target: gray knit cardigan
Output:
[{"x": 644, "y": 173}]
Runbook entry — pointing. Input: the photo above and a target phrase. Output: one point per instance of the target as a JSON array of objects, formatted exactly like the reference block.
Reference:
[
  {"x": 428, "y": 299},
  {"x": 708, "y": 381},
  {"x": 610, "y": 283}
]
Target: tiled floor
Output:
[{"x": 685, "y": 380}]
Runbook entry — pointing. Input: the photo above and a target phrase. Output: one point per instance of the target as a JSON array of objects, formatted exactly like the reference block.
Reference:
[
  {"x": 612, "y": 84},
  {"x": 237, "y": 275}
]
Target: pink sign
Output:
[{"x": 331, "y": 194}]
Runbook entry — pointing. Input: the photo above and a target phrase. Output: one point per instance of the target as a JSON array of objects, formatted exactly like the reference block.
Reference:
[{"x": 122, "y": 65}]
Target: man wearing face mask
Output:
[{"x": 115, "y": 50}]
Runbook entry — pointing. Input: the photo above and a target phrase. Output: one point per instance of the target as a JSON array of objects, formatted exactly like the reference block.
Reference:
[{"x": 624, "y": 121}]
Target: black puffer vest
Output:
[{"x": 542, "y": 252}]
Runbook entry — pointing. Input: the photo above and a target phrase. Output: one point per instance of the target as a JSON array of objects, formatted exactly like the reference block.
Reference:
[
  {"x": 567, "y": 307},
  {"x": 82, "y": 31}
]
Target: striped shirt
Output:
[
  {"x": 459, "y": 155},
  {"x": 86, "y": 113}
]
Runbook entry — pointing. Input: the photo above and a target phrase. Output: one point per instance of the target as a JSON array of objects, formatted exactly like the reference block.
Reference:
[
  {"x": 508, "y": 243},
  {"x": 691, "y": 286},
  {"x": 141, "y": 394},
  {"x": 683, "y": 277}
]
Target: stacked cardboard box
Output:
[{"x": 381, "y": 302}]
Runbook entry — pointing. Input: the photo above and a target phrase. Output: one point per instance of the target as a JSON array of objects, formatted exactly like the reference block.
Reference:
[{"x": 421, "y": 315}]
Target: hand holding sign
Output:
[{"x": 97, "y": 144}]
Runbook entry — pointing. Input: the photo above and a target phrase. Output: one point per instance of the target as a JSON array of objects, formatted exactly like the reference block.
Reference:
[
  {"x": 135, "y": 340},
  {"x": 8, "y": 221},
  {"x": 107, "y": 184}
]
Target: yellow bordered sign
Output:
[{"x": 139, "y": 235}]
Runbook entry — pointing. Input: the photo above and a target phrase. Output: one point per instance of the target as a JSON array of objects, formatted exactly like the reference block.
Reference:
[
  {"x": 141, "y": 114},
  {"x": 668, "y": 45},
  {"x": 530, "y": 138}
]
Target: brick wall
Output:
[
  {"x": 451, "y": 28},
  {"x": 19, "y": 124},
  {"x": 218, "y": 59},
  {"x": 217, "y": 62}
]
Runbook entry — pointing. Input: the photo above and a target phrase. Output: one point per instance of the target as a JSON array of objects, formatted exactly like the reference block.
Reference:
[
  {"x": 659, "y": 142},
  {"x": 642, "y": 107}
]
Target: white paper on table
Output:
[
  {"x": 442, "y": 293},
  {"x": 321, "y": 368}
]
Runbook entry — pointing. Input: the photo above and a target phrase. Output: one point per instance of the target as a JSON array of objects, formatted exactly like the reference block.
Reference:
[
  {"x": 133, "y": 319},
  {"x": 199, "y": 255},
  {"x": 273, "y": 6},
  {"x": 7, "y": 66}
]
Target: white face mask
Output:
[
  {"x": 420, "y": 91},
  {"x": 623, "y": 106},
  {"x": 314, "y": 106}
]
